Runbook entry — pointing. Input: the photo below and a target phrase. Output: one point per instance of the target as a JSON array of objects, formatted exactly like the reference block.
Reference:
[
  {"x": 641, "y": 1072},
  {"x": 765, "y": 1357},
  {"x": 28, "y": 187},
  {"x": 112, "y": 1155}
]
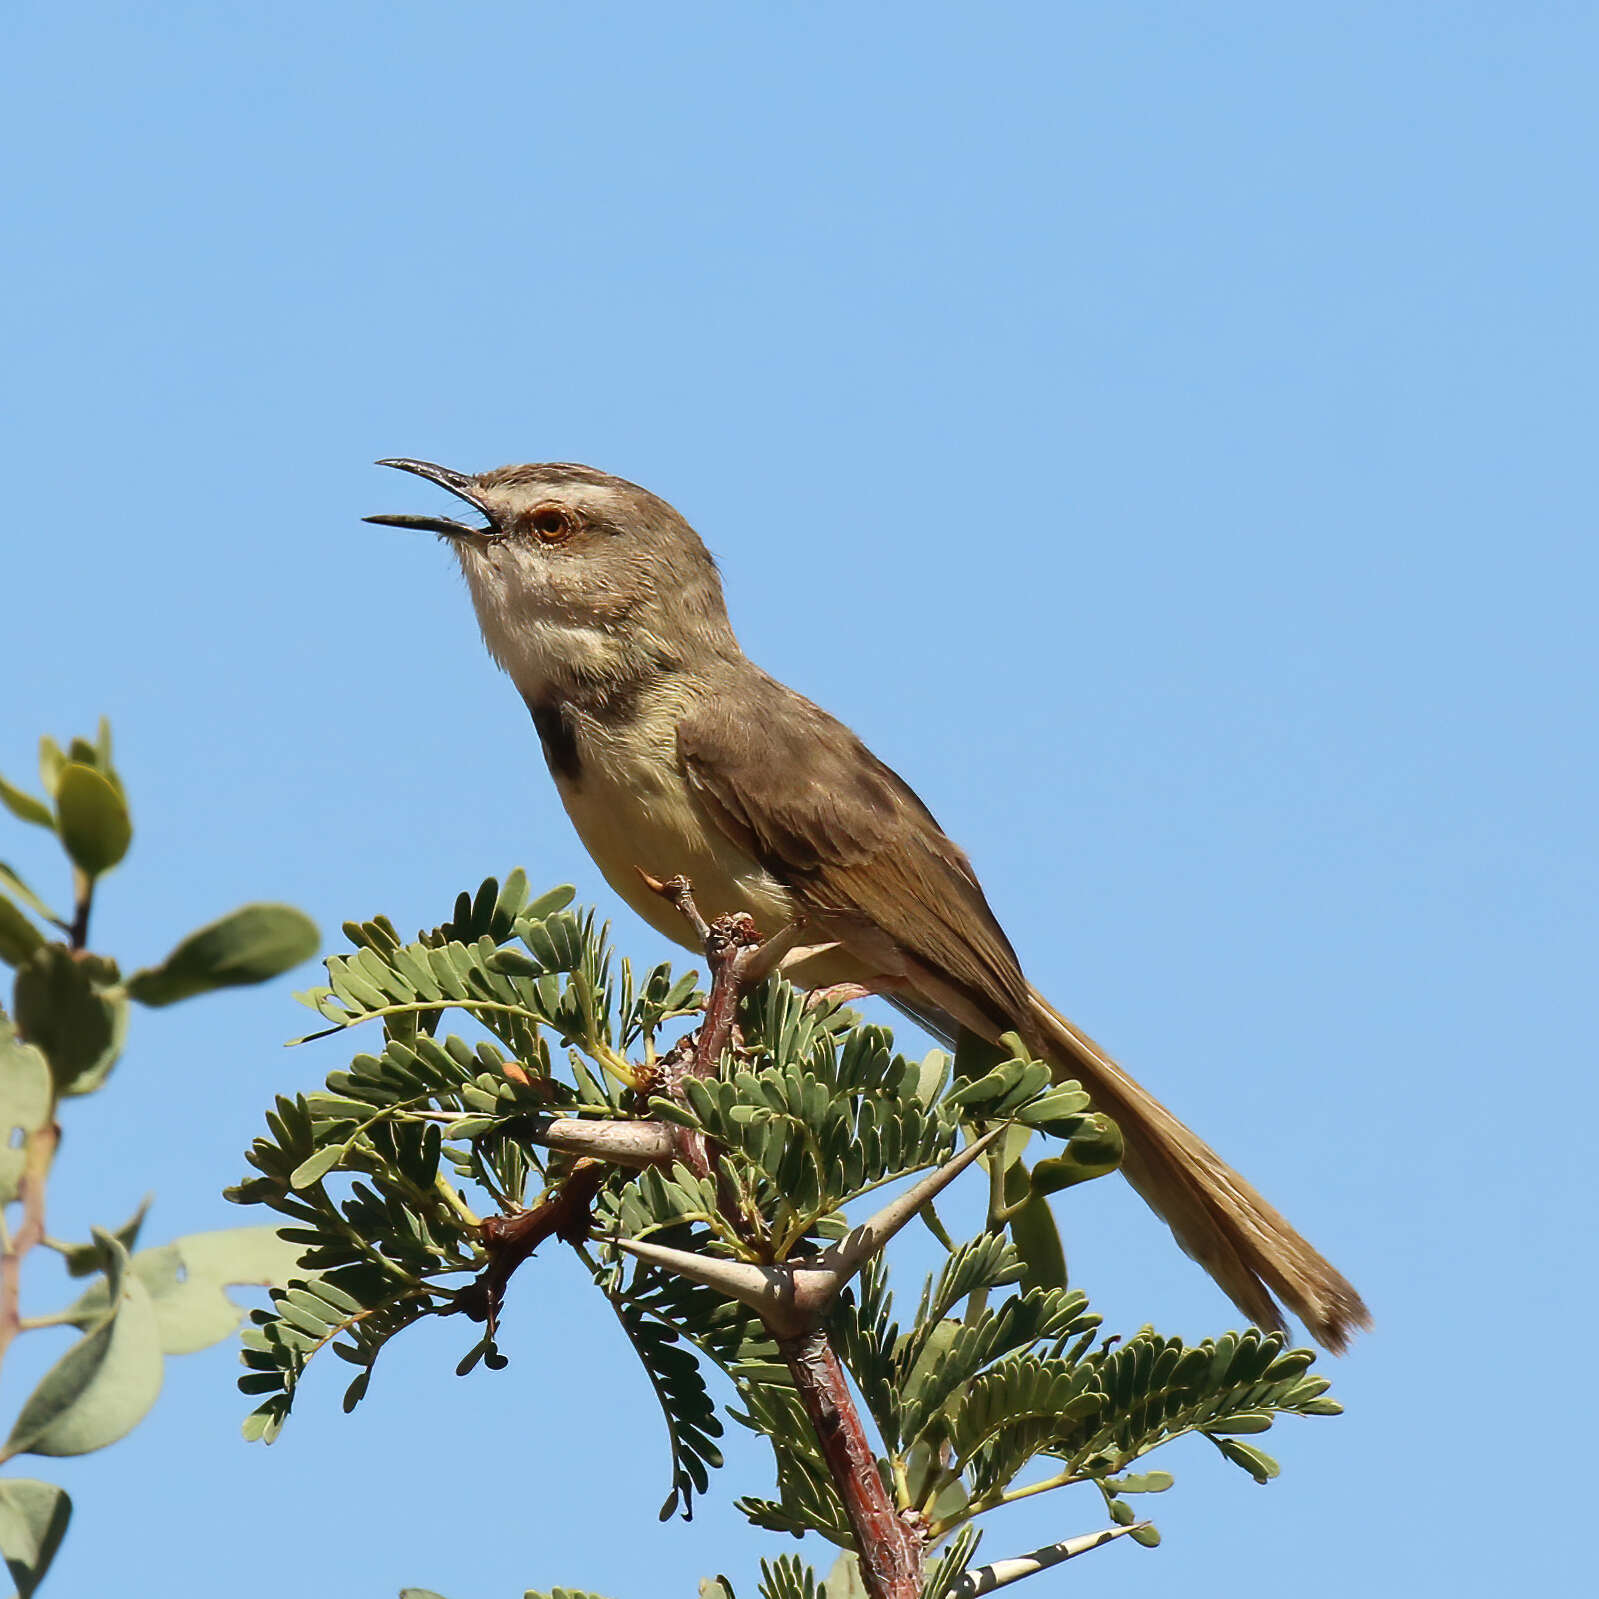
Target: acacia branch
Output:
[
  {"x": 889, "y": 1546},
  {"x": 790, "y": 1297}
]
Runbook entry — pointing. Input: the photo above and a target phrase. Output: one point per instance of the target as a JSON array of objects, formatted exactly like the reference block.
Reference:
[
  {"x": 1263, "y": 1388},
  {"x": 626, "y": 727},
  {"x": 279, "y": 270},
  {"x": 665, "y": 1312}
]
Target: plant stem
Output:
[
  {"x": 889, "y": 1547},
  {"x": 83, "y": 895},
  {"x": 39, "y": 1152}
]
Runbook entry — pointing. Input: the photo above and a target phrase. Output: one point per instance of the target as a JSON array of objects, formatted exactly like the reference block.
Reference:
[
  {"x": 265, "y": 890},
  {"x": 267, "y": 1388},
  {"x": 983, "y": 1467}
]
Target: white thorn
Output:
[
  {"x": 764, "y": 960},
  {"x": 622, "y": 1143},
  {"x": 767, "y": 1290},
  {"x": 987, "y": 1578},
  {"x": 835, "y": 1265},
  {"x": 793, "y": 1297}
]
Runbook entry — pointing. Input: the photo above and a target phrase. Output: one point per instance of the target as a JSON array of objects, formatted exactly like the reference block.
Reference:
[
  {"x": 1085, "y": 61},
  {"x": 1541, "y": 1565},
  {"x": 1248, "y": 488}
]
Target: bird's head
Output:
[{"x": 573, "y": 570}]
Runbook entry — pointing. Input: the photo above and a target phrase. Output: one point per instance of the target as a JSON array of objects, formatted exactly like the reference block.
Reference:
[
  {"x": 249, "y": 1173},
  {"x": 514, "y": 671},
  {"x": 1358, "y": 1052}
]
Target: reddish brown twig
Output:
[
  {"x": 732, "y": 946},
  {"x": 732, "y": 942},
  {"x": 563, "y": 1213},
  {"x": 889, "y": 1546}
]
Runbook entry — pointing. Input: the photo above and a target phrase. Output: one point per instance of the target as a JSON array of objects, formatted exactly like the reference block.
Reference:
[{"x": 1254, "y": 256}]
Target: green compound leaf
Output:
[
  {"x": 33, "y": 1521},
  {"x": 249, "y": 945},
  {"x": 101, "y": 1387},
  {"x": 92, "y": 818}
]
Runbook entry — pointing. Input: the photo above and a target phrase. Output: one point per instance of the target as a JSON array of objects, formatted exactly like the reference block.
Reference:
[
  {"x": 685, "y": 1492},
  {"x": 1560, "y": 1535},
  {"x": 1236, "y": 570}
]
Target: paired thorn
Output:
[{"x": 792, "y": 1298}]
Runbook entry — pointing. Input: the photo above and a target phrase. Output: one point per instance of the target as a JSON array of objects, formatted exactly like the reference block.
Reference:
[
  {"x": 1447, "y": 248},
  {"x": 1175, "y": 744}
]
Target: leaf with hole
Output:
[
  {"x": 25, "y": 1104},
  {"x": 188, "y": 1279}
]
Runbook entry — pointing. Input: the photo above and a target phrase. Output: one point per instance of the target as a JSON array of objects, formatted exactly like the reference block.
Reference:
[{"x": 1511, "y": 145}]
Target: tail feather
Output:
[{"x": 1219, "y": 1220}]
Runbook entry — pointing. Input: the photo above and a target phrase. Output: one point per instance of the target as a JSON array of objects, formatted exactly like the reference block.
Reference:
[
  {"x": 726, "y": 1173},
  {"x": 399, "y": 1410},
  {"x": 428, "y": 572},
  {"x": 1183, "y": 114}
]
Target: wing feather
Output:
[{"x": 800, "y": 793}]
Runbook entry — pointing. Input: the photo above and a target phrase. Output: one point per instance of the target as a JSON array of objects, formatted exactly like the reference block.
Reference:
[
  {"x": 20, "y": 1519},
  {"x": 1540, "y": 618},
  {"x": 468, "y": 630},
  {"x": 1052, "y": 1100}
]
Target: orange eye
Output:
[{"x": 550, "y": 522}]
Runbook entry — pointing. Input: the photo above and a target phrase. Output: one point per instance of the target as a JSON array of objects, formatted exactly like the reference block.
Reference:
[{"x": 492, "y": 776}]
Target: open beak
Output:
[{"x": 458, "y": 483}]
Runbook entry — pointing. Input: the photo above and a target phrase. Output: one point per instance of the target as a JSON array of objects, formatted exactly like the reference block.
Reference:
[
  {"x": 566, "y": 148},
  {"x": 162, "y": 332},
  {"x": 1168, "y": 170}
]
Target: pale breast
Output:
[{"x": 632, "y": 808}]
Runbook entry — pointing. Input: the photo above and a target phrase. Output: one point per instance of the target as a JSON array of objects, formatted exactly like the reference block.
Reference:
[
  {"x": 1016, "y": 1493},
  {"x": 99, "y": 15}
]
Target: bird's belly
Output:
[{"x": 633, "y": 811}]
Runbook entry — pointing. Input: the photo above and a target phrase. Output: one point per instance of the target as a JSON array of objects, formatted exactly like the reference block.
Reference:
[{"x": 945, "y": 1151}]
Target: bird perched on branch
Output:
[{"x": 675, "y": 755}]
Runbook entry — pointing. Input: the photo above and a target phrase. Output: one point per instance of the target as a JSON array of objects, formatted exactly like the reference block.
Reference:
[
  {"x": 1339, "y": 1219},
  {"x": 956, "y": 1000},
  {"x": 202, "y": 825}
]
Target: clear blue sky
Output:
[{"x": 1166, "y": 432}]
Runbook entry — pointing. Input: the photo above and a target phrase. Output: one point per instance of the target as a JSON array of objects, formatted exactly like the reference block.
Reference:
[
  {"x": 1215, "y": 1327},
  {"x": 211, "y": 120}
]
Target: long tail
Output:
[{"x": 1245, "y": 1245}]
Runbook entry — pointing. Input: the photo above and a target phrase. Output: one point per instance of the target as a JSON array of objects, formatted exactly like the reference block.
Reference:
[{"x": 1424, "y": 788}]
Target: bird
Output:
[{"x": 675, "y": 755}]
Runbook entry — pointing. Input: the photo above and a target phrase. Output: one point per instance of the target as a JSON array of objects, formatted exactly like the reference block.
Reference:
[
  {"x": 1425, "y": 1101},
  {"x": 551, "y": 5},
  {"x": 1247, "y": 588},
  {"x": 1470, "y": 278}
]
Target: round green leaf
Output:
[
  {"x": 102, "y": 1386},
  {"x": 92, "y": 818},
  {"x": 249, "y": 945},
  {"x": 59, "y": 1009},
  {"x": 33, "y": 1521}
]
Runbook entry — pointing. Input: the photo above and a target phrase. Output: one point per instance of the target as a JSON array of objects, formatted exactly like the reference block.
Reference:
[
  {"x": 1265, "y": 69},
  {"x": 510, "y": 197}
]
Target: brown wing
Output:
[{"x": 806, "y": 799}]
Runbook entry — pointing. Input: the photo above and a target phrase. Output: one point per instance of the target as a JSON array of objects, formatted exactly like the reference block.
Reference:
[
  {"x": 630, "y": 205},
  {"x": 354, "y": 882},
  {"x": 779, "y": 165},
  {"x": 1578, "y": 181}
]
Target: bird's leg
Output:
[{"x": 680, "y": 892}]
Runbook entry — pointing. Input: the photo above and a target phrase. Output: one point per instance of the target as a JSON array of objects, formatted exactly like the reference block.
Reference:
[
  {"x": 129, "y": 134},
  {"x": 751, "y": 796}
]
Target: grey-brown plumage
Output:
[{"x": 674, "y": 754}]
